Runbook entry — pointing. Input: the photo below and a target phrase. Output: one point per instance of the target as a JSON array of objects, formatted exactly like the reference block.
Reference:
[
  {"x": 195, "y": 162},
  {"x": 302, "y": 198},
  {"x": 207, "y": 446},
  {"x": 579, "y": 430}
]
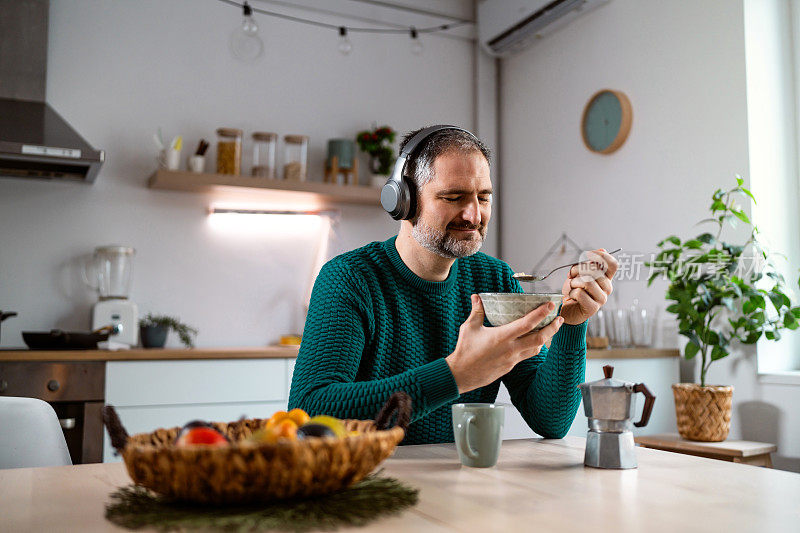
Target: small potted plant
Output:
[
  {"x": 153, "y": 330},
  {"x": 378, "y": 144},
  {"x": 722, "y": 294}
]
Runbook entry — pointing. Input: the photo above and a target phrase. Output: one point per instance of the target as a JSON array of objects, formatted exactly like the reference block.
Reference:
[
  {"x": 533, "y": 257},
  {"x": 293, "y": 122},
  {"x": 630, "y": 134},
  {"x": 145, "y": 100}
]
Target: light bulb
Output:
[
  {"x": 245, "y": 42},
  {"x": 345, "y": 46},
  {"x": 416, "y": 44}
]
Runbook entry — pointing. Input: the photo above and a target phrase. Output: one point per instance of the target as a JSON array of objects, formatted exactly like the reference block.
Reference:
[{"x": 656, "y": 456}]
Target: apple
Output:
[{"x": 202, "y": 433}]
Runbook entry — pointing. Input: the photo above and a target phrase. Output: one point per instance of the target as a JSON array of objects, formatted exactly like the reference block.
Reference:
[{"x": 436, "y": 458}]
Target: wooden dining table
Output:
[{"x": 537, "y": 485}]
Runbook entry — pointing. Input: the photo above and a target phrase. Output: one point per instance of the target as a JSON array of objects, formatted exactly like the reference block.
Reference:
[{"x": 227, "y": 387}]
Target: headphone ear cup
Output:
[
  {"x": 410, "y": 199},
  {"x": 400, "y": 199},
  {"x": 391, "y": 198}
]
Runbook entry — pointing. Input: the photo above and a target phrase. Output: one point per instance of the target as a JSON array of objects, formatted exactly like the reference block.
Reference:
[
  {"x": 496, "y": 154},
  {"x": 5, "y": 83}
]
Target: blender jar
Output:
[{"x": 111, "y": 271}]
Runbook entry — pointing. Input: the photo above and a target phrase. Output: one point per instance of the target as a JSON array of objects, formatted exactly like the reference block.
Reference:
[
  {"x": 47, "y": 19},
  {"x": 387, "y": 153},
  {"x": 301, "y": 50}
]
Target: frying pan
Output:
[
  {"x": 3, "y": 315},
  {"x": 55, "y": 339}
]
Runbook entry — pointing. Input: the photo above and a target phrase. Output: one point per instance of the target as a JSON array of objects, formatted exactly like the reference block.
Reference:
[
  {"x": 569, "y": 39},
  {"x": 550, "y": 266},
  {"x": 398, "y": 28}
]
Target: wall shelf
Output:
[
  {"x": 326, "y": 193},
  {"x": 632, "y": 353}
]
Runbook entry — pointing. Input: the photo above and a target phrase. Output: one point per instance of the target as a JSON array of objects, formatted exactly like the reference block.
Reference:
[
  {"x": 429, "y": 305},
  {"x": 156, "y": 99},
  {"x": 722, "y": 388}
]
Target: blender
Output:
[{"x": 109, "y": 273}]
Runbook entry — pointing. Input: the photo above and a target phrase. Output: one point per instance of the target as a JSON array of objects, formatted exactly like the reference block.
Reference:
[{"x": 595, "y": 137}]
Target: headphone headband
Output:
[
  {"x": 424, "y": 133},
  {"x": 397, "y": 196}
]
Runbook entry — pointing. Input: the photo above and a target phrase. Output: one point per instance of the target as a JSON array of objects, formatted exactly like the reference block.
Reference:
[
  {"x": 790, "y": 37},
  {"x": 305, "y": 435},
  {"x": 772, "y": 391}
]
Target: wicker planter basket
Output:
[
  {"x": 257, "y": 472},
  {"x": 703, "y": 413}
]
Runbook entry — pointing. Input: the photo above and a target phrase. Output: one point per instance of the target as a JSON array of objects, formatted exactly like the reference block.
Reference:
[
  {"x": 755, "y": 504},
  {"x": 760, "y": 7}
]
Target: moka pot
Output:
[{"x": 610, "y": 405}]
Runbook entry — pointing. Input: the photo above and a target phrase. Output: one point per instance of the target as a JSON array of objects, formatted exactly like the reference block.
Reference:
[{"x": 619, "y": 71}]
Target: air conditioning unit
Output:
[{"x": 507, "y": 26}]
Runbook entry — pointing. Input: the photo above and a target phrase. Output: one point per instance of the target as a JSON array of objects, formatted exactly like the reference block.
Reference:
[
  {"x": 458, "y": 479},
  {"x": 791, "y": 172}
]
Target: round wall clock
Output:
[{"x": 606, "y": 121}]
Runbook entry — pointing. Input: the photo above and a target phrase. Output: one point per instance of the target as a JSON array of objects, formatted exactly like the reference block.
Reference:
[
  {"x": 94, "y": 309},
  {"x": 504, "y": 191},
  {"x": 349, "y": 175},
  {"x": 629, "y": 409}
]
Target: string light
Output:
[
  {"x": 245, "y": 42},
  {"x": 344, "y": 46},
  {"x": 416, "y": 44}
]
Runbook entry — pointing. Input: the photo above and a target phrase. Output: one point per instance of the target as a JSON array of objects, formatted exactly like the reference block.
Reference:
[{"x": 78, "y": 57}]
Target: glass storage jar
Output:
[
  {"x": 296, "y": 154},
  {"x": 229, "y": 151},
  {"x": 264, "y": 154}
]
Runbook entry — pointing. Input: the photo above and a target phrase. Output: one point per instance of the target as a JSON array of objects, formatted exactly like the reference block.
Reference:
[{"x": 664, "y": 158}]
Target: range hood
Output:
[{"x": 35, "y": 141}]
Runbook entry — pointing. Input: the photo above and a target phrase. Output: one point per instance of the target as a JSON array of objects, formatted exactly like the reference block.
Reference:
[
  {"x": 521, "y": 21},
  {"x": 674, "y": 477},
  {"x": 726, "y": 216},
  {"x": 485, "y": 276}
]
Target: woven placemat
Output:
[{"x": 373, "y": 497}]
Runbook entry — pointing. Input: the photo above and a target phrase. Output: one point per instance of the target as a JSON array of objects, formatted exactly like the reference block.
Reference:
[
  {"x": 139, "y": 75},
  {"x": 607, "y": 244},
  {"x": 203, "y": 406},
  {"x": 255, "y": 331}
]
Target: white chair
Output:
[{"x": 30, "y": 434}]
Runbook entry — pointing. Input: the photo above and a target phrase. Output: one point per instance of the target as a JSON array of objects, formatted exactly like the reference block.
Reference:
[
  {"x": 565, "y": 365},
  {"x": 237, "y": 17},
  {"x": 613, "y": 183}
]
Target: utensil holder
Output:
[{"x": 197, "y": 164}]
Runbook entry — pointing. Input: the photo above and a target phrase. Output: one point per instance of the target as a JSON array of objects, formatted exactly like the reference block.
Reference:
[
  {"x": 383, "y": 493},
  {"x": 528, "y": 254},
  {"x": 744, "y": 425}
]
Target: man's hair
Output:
[{"x": 441, "y": 142}]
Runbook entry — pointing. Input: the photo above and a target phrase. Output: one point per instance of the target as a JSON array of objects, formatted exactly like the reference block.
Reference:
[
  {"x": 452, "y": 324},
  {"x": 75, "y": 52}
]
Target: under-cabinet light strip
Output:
[{"x": 242, "y": 211}]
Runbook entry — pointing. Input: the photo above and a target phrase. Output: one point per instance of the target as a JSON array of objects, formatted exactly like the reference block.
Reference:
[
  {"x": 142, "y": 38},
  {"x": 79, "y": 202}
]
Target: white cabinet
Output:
[
  {"x": 153, "y": 394},
  {"x": 658, "y": 374}
]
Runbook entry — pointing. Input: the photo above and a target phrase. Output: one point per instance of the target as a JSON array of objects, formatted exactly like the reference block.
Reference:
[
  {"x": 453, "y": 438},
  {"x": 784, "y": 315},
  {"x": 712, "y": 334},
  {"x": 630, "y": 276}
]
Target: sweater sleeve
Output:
[
  {"x": 544, "y": 388},
  {"x": 335, "y": 338}
]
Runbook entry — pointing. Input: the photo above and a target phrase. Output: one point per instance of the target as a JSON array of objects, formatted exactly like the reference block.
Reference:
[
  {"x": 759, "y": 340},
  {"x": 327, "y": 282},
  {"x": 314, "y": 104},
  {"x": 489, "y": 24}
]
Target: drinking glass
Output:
[
  {"x": 597, "y": 325},
  {"x": 619, "y": 328},
  {"x": 643, "y": 325}
]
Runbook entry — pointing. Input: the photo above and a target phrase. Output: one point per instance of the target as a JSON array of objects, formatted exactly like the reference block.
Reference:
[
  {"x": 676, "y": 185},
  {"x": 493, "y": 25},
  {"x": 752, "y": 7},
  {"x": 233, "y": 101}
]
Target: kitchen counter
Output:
[
  {"x": 153, "y": 354},
  {"x": 255, "y": 352},
  {"x": 537, "y": 485}
]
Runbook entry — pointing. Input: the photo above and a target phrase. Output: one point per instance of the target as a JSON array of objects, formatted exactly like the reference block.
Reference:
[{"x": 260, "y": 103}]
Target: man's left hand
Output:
[{"x": 587, "y": 287}]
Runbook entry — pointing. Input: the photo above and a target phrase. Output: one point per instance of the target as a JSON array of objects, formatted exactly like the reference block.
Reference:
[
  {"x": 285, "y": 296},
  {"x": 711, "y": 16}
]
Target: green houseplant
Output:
[
  {"x": 153, "y": 331},
  {"x": 378, "y": 144},
  {"x": 722, "y": 293}
]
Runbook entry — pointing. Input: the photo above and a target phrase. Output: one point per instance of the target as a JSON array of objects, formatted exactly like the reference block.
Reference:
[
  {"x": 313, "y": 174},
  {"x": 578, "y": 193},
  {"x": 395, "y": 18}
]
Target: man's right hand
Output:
[{"x": 483, "y": 355}]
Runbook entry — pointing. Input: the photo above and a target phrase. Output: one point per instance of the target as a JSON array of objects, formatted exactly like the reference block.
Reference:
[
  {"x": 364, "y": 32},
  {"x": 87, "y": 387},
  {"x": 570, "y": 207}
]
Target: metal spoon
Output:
[{"x": 521, "y": 276}]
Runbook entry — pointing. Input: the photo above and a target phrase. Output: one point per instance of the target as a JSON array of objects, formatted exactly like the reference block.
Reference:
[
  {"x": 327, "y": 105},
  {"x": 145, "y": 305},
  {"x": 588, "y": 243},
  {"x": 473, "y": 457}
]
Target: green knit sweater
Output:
[{"x": 374, "y": 327}]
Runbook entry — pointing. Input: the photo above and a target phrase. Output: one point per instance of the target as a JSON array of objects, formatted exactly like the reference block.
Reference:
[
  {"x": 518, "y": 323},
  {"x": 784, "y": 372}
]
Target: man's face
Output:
[{"x": 455, "y": 206}]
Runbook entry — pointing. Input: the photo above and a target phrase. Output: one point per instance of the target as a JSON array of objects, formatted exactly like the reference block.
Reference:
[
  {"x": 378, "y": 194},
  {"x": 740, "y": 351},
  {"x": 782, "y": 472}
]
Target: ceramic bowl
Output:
[{"x": 504, "y": 307}]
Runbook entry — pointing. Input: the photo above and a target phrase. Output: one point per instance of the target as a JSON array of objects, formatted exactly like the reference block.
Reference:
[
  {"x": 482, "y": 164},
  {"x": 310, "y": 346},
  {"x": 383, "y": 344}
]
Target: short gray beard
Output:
[{"x": 442, "y": 243}]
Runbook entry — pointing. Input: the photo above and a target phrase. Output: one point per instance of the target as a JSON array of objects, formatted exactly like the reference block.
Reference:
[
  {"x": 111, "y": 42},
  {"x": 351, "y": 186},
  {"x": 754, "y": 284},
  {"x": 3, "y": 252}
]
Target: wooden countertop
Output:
[
  {"x": 537, "y": 485},
  {"x": 141, "y": 354},
  {"x": 255, "y": 352}
]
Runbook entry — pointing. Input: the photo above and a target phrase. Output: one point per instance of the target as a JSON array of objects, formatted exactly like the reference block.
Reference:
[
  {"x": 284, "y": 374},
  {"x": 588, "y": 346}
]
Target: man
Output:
[{"x": 404, "y": 314}]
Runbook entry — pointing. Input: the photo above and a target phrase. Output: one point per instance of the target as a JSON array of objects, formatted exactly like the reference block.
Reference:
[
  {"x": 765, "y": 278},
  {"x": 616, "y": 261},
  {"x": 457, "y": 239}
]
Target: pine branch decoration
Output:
[{"x": 374, "y": 497}]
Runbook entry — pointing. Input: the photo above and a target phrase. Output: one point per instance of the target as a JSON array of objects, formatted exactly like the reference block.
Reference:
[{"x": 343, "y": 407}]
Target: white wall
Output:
[
  {"x": 119, "y": 69},
  {"x": 682, "y": 64},
  {"x": 682, "y": 68}
]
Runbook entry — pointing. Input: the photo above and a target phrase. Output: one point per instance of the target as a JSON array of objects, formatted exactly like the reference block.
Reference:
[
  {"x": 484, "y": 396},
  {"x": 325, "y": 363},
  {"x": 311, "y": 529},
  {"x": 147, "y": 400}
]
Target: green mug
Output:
[{"x": 478, "y": 431}]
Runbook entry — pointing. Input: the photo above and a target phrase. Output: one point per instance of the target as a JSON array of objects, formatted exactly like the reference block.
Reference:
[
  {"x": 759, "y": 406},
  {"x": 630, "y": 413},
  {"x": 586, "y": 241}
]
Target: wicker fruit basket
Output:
[{"x": 258, "y": 472}]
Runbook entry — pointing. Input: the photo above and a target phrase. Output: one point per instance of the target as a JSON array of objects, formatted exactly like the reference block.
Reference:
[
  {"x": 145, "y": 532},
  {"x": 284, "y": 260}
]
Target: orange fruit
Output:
[
  {"x": 268, "y": 436},
  {"x": 298, "y": 416},
  {"x": 286, "y": 429},
  {"x": 276, "y": 417}
]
